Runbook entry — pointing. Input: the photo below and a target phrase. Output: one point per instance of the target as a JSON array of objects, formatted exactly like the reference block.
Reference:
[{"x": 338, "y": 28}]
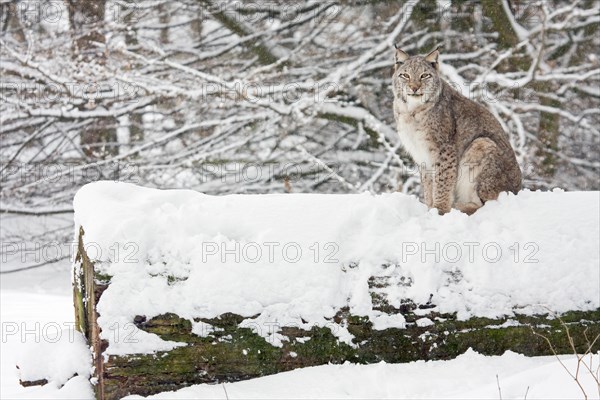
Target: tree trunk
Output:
[
  {"x": 87, "y": 22},
  {"x": 232, "y": 353},
  {"x": 262, "y": 51},
  {"x": 164, "y": 18},
  {"x": 425, "y": 15},
  {"x": 549, "y": 123},
  {"x": 99, "y": 139}
]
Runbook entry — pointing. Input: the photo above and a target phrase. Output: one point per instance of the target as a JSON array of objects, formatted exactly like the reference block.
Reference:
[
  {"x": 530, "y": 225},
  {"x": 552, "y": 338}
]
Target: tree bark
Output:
[
  {"x": 262, "y": 51},
  {"x": 549, "y": 123},
  {"x": 87, "y": 21},
  {"x": 86, "y": 17}
]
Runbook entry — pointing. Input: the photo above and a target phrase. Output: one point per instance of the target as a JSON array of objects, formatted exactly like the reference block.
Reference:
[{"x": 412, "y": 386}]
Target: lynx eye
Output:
[
  {"x": 404, "y": 76},
  {"x": 425, "y": 76}
]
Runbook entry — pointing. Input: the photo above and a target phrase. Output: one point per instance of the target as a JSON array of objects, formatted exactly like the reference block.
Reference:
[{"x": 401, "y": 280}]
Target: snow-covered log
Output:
[{"x": 174, "y": 288}]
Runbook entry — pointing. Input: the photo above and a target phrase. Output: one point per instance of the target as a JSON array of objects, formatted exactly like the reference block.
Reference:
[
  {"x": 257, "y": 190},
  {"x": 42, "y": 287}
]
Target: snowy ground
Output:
[
  {"x": 470, "y": 376},
  {"x": 37, "y": 314},
  {"x": 37, "y": 328}
]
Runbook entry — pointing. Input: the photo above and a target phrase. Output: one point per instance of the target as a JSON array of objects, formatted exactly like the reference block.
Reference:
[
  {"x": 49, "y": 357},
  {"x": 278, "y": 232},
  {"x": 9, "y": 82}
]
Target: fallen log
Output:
[{"x": 179, "y": 341}]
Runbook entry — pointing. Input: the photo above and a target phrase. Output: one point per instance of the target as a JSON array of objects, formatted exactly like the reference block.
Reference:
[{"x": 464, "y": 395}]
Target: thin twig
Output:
[
  {"x": 580, "y": 359},
  {"x": 225, "y": 390},
  {"x": 499, "y": 390}
]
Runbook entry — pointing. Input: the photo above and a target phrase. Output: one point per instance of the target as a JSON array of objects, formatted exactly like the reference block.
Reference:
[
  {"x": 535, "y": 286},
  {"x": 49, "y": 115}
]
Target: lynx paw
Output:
[
  {"x": 468, "y": 208},
  {"x": 442, "y": 209}
]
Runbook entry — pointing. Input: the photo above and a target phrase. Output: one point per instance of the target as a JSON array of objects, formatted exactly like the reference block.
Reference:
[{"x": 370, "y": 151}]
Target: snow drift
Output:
[{"x": 296, "y": 259}]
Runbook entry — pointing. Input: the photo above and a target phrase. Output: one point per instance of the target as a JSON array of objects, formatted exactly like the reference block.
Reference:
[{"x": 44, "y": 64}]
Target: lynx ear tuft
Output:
[
  {"x": 401, "y": 56},
  {"x": 432, "y": 58}
]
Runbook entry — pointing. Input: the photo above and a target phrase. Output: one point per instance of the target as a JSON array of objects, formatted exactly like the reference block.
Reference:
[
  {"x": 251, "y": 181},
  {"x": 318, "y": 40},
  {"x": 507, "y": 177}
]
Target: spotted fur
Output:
[{"x": 462, "y": 151}]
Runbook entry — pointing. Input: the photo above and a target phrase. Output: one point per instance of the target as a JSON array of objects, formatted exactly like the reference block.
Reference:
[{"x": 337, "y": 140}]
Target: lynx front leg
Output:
[
  {"x": 445, "y": 180},
  {"x": 427, "y": 185}
]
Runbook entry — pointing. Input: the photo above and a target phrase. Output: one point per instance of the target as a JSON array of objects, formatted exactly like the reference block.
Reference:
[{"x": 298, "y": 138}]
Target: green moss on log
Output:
[{"x": 234, "y": 353}]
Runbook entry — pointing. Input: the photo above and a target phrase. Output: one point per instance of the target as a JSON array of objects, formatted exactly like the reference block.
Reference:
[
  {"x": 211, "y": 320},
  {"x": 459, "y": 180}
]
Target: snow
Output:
[
  {"x": 563, "y": 225},
  {"x": 423, "y": 322},
  {"x": 469, "y": 376},
  {"x": 296, "y": 259},
  {"x": 38, "y": 335},
  {"x": 67, "y": 347}
]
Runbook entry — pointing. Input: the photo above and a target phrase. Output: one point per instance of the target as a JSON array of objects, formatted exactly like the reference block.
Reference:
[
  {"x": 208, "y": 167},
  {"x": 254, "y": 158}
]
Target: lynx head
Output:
[{"x": 416, "y": 80}]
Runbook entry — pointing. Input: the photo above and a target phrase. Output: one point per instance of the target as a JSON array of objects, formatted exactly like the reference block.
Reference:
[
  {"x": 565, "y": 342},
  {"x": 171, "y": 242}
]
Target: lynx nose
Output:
[{"x": 414, "y": 88}]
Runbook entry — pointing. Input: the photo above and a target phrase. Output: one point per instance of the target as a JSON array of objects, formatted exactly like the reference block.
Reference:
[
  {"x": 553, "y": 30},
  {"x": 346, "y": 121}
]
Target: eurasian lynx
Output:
[{"x": 463, "y": 154}]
